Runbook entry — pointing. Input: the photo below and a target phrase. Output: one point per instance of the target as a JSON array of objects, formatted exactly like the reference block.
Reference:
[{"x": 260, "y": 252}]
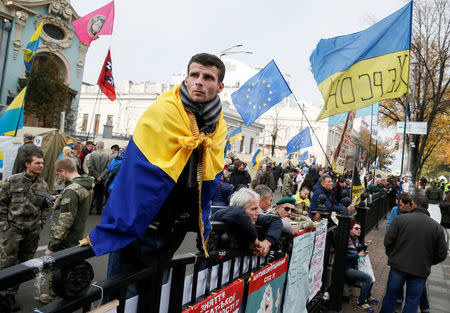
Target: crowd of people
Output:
[
  {"x": 85, "y": 177},
  {"x": 162, "y": 193}
]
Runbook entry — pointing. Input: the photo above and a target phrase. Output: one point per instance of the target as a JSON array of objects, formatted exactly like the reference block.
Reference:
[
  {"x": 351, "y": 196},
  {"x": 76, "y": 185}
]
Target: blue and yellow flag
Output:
[
  {"x": 162, "y": 144},
  {"x": 359, "y": 69},
  {"x": 373, "y": 109},
  {"x": 12, "y": 119},
  {"x": 32, "y": 46},
  {"x": 260, "y": 93},
  {"x": 299, "y": 141},
  {"x": 255, "y": 159},
  {"x": 234, "y": 135}
]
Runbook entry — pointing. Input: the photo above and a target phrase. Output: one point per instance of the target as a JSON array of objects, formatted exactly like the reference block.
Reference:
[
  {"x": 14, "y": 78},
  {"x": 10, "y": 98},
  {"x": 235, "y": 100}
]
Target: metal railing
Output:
[{"x": 223, "y": 253}]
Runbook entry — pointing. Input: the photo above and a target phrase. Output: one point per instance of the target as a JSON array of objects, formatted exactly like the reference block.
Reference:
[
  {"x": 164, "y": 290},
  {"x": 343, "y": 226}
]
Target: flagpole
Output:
[
  {"x": 93, "y": 114},
  {"x": 25, "y": 95},
  {"x": 377, "y": 164},
  {"x": 403, "y": 151},
  {"x": 370, "y": 138},
  {"x": 312, "y": 129}
]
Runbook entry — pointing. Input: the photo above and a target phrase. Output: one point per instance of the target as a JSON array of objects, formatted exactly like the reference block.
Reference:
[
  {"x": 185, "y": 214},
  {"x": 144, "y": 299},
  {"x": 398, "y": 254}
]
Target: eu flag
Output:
[
  {"x": 300, "y": 141},
  {"x": 260, "y": 93},
  {"x": 304, "y": 156}
]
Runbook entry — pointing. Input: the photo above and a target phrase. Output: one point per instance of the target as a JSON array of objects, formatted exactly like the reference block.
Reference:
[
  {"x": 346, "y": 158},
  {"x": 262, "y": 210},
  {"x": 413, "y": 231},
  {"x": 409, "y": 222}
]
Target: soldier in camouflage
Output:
[
  {"x": 70, "y": 212},
  {"x": 27, "y": 148},
  {"x": 23, "y": 212}
]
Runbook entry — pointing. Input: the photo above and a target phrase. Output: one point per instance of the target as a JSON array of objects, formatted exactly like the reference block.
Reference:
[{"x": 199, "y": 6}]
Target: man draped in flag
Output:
[
  {"x": 32, "y": 47},
  {"x": 359, "y": 69},
  {"x": 170, "y": 178}
]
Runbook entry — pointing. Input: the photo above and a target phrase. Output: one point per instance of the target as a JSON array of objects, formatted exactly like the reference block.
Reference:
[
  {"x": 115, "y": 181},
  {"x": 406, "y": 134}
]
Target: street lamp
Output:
[{"x": 227, "y": 51}]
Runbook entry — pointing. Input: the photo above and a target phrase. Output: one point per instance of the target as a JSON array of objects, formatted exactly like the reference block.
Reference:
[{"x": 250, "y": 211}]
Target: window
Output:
[
  {"x": 85, "y": 122},
  {"x": 96, "y": 123},
  {"x": 109, "y": 120},
  {"x": 54, "y": 31},
  {"x": 250, "y": 150},
  {"x": 241, "y": 150}
]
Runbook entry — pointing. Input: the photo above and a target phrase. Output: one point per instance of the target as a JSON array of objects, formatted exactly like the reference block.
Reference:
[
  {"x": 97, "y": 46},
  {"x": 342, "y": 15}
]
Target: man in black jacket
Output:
[
  {"x": 244, "y": 214},
  {"x": 411, "y": 254}
]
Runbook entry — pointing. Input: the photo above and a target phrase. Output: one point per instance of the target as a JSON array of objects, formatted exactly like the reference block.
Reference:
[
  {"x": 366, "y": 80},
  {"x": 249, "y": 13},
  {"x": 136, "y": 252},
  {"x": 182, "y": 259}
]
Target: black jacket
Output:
[
  {"x": 445, "y": 213},
  {"x": 414, "y": 242},
  {"x": 239, "y": 178},
  {"x": 236, "y": 216}
]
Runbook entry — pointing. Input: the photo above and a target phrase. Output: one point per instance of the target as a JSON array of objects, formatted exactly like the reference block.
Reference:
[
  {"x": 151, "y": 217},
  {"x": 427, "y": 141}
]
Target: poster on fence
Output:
[
  {"x": 8, "y": 152},
  {"x": 227, "y": 300},
  {"x": 318, "y": 254},
  {"x": 265, "y": 290},
  {"x": 297, "y": 287}
]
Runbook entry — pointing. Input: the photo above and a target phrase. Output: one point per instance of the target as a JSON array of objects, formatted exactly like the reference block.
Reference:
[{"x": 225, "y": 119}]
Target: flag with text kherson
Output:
[
  {"x": 260, "y": 93},
  {"x": 94, "y": 24},
  {"x": 300, "y": 141},
  {"x": 12, "y": 118},
  {"x": 32, "y": 46},
  {"x": 356, "y": 70},
  {"x": 255, "y": 159},
  {"x": 161, "y": 146},
  {"x": 234, "y": 135}
]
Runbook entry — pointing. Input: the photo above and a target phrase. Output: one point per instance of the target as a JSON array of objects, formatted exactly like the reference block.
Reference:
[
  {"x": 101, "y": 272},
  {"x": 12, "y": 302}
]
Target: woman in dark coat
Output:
[{"x": 239, "y": 177}]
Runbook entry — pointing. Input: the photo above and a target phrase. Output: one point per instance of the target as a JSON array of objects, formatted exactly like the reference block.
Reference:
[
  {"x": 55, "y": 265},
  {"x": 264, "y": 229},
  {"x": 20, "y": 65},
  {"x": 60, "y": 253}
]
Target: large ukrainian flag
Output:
[
  {"x": 12, "y": 118},
  {"x": 357, "y": 70},
  {"x": 162, "y": 143}
]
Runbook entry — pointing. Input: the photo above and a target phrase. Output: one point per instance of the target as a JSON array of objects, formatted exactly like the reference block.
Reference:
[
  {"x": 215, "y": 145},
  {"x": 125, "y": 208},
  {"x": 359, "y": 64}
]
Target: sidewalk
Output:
[{"x": 438, "y": 283}]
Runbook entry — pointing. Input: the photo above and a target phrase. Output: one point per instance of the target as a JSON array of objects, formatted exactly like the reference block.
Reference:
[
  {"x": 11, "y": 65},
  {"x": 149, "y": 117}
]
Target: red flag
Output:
[
  {"x": 397, "y": 137},
  {"x": 106, "y": 80},
  {"x": 94, "y": 24}
]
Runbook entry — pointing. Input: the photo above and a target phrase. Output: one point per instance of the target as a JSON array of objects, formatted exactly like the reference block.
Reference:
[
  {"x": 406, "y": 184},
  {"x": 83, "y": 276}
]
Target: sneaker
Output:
[
  {"x": 364, "y": 307},
  {"x": 45, "y": 298},
  {"x": 372, "y": 300},
  {"x": 14, "y": 306}
]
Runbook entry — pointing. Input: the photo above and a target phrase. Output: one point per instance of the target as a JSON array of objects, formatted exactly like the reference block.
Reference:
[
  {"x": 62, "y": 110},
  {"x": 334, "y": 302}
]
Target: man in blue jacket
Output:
[
  {"x": 325, "y": 187},
  {"x": 244, "y": 213}
]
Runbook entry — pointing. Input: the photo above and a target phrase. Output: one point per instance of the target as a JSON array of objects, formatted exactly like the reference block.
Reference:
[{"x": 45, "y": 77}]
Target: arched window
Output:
[{"x": 52, "y": 62}]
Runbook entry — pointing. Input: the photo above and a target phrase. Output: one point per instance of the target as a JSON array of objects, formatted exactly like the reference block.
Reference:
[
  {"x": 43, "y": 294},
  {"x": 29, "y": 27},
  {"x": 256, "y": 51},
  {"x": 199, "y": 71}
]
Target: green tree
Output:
[
  {"x": 47, "y": 95},
  {"x": 429, "y": 98}
]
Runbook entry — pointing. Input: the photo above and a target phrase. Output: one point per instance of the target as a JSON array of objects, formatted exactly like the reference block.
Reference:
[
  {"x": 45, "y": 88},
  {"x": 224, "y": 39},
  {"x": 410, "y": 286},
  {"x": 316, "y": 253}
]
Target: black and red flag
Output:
[{"x": 106, "y": 80}]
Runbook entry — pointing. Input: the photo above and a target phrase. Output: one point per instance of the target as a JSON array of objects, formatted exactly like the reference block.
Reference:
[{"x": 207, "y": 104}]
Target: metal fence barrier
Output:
[{"x": 151, "y": 278}]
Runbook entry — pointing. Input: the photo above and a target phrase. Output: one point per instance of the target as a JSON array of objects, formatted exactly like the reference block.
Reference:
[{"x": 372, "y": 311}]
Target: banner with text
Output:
[
  {"x": 297, "y": 287},
  {"x": 341, "y": 152},
  {"x": 226, "y": 300},
  {"x": 316, "y": 265},
  {"x": 266, "y": 287}
]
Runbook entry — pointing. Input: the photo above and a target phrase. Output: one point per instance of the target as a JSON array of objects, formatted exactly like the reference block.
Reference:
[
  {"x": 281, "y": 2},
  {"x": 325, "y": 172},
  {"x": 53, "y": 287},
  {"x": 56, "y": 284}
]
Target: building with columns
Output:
[{"x": 58, "y": 40}]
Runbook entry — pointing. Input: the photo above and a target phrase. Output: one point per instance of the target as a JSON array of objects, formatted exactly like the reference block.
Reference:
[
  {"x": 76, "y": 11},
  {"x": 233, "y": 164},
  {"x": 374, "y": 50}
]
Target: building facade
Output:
[{"x": 58, "y": 40}]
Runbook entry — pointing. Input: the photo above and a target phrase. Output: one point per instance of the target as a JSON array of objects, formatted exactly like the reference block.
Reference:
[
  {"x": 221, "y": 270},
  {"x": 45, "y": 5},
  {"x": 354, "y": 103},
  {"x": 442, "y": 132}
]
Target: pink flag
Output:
[{"x": 94, "y": 24}]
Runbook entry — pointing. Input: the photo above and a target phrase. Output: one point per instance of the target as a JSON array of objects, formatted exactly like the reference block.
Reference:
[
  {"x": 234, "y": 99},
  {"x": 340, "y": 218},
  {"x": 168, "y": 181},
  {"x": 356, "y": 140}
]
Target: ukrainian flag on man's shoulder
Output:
[
  {"x": 32, "y": 47},
  {"x": 161, "y": 146},
  {"x": 357, "y": 70},
  {"x": 12, "y": 118}
]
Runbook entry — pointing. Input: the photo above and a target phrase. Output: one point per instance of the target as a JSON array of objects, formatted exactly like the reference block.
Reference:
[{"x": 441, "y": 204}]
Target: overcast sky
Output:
[{"x": 153, "y": 39}]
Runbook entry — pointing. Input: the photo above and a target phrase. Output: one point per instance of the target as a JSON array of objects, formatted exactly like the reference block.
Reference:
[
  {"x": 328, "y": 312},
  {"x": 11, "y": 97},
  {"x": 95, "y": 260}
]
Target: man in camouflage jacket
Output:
[
  {"x": 27, "y": 148},
  {"x": 23, "y": 213},
  {"x": 70, "y": 211}
]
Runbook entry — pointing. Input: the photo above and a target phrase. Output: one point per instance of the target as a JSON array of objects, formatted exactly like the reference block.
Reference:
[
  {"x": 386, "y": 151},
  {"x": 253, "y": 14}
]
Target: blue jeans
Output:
[
  {"x": 414, "y": 290},
  {"x": 121, "y": 261},
  {"x": 354, "y": 275}
]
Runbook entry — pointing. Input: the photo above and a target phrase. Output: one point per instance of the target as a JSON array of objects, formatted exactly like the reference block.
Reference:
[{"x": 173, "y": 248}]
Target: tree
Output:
[
  {"x": 430, "y": 99},
  {"x": 275, "y": 129},
  {"x": 47, "y": 95},
  {"x": 383, "y": 149}
]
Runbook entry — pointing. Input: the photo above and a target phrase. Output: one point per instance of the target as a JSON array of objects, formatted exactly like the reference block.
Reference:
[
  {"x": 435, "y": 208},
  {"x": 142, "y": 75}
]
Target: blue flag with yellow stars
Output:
[
  {"x": 260, "y": 93},
  {"x": 300, "y": 141},
  {"x": 304, "y": 156}
]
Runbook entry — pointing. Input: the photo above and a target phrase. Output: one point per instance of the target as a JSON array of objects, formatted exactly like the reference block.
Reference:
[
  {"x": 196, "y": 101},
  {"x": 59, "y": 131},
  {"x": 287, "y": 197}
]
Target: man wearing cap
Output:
[
  {"x": 27, "y": 148},
  {"x": 292, "y": 223}
]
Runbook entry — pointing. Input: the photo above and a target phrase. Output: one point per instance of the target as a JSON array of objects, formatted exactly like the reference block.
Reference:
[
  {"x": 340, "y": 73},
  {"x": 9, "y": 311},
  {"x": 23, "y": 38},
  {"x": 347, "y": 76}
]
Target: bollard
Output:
[{"x": 342, "y": 236}]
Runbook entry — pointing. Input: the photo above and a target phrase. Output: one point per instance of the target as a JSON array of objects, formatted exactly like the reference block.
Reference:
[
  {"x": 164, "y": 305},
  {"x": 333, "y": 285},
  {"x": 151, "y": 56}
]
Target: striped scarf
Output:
[{"x": 207, "y": 113}]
